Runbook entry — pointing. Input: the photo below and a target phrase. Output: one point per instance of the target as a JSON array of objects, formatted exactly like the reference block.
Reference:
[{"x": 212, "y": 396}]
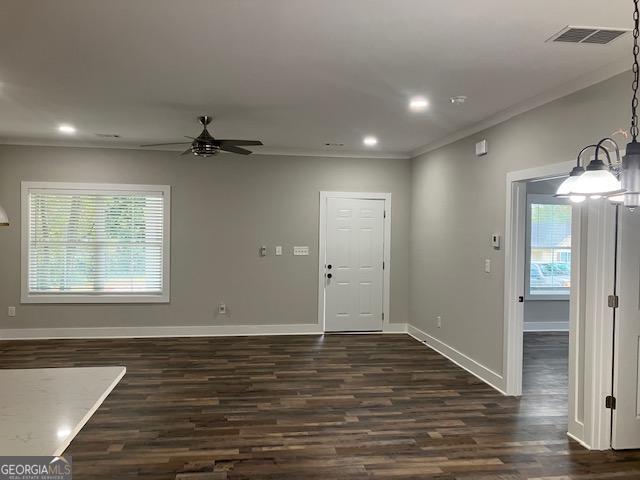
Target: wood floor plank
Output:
[{"x": 319, "y": 407}]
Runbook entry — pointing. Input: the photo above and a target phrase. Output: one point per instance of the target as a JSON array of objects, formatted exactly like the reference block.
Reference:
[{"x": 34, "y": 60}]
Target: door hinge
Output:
[
  {"x": 384, "y": 214},
  {"x": 383, "y": 315},
  {"x": 610, "y": 402},
  {"x": 613, "y": 301},
  {"x": 383, "y": 265}
]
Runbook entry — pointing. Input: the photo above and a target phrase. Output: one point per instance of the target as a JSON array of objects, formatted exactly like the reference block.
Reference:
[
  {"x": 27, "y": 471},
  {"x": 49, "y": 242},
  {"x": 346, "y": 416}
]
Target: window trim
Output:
[
  {"x": 94, "y": 298},
  {"x": 538, "y": 198}
]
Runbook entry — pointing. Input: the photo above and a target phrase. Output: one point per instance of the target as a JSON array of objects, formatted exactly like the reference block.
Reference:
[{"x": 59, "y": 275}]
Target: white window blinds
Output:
[
  {"x": 550, "y": 249},
  {"x": 93, "y": 242}
]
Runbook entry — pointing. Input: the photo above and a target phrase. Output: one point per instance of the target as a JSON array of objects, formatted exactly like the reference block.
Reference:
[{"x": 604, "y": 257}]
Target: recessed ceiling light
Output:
[
  {"x": 458, "y": 99},
  {"x": 370, "y": 141},
  {"x": 418, "y": 104},
  {"x": 66, "y": 128}
]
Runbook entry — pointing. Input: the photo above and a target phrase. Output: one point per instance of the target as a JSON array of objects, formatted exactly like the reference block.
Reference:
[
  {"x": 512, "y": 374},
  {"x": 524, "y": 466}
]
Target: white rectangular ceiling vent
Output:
[{"x": 591, "y": 35}]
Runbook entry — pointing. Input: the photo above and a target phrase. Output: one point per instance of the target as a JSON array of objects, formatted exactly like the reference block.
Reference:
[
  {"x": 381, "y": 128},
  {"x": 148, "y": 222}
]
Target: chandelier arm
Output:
[
  {"x": 584, "y": 150},
  {"x": 615, "y": 146},
  {"x": 606, "y": 152}
]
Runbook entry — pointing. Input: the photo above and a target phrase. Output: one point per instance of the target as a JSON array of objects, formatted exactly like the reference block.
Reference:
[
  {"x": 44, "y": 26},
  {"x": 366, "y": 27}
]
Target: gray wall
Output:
[
  {"x": 540, "y": 311},
  {"x": 458, "y": 200},
  {"x": 223, "y": 209}
]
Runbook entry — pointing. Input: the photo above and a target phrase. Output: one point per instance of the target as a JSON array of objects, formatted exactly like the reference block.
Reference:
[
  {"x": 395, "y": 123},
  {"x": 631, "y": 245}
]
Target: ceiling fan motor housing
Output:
[
  {"x": 204, "y": 145},
  {"x": 204, "y": 149}
]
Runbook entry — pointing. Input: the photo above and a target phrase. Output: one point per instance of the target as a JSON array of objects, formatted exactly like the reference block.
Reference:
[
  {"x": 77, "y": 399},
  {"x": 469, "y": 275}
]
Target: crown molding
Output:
[
  {"x": 325, "y": 153},
  {"x": 262, "y": 151},
  {"x": 584, "y": 81}
]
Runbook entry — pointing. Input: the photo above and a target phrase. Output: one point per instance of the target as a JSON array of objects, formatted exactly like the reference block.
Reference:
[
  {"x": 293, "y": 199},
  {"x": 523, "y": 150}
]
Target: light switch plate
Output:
[
  {"x": 300, "y": 251},
  {"x": 487, "y": 266},
  {"x": 279, "y": 250}
]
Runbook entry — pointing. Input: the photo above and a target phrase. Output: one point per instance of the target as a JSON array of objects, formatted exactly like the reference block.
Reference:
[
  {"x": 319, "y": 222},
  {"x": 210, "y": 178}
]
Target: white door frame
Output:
[
  {"x": 593, "y": 432},
  {"x": 514, "y": 267},
  {"x": 386, "y": 277},
  {"x": 599, "y": 325}
]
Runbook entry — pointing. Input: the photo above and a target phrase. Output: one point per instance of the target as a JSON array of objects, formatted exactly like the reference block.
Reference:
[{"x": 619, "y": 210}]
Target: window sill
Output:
[
  {"x": 547, "y": 298},
  {"x": 94, "y": 299}
]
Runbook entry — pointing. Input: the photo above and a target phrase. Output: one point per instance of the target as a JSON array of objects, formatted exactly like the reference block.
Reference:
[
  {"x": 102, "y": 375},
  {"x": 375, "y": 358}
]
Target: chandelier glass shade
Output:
[
  {"x": 566, "y": 187},
  {"x": 596, "y": 183}
]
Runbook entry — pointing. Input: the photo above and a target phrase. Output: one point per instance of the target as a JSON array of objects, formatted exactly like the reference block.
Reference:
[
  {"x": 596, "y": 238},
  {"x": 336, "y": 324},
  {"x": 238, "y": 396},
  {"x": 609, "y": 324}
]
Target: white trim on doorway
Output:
[
  {"x": 324, "y": 195},
  {"x": 598, "y": 344},
  {"x": 514, "y": 233}
]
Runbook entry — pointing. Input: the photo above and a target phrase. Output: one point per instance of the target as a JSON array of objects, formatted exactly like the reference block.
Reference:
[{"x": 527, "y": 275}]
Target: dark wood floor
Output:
[
  {"x": 307, "y": 407},
  {"x": 545, "y": 376}
]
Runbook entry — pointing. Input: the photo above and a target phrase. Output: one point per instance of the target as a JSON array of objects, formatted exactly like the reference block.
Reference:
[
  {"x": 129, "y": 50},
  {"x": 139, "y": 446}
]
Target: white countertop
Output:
[{"x": 42, "y": 410}]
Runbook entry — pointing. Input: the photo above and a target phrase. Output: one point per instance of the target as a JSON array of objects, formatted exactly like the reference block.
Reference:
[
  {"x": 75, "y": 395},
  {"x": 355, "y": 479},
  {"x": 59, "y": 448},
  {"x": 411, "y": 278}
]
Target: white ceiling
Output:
[{"x": 293, "y": 73}]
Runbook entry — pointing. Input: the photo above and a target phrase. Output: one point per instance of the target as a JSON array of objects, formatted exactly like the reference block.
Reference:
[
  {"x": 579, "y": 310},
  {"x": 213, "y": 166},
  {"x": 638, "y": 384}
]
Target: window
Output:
[
  {"x": 549, "y": 247},
  {"x": 90, "y": 243}
]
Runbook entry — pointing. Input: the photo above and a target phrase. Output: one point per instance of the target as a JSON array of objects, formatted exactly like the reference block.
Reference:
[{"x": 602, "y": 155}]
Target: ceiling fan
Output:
[{"x": 204, "y": 145}]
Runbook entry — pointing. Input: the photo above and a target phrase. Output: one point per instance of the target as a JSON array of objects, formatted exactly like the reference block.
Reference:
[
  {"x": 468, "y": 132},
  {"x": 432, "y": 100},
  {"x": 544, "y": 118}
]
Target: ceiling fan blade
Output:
[
  {"x": 162, "y": 144},
  {"x": 186, "y": 152},
  {"x": 234, "y": 149},
  {"x": 239, "y": 142}
]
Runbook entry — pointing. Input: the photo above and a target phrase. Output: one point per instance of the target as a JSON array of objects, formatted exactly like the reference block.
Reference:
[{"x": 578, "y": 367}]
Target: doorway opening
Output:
[
  {"x": 548, "y": 256},
  {"x": 590, "y": 336}
]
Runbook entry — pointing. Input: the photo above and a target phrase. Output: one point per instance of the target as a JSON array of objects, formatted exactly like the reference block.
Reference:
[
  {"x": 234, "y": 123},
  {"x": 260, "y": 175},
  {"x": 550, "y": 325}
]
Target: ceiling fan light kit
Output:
[
  {"x": 618, "y": 181},
  {"x": 205, "y": 145}
]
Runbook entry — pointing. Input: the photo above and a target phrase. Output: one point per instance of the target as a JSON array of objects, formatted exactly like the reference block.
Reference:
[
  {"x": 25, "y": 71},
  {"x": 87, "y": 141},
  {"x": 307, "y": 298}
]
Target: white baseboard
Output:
[
  {"x": 485, "y": 374},
  {"x": 193, "y": 331},
  {"x": 394, "y": 328},
  {"x": 141, "y": 332},
  {"x": 581, "y": 442},
  {"x": 546, "y": 326}
]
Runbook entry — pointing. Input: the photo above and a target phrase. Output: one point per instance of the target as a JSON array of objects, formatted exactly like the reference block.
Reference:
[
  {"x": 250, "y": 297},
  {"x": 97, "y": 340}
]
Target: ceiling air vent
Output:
[{"x": 592, "y": 35}]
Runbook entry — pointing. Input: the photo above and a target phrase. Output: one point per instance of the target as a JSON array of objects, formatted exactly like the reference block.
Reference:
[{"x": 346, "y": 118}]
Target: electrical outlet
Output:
[
  {"x": 222, "y": 308},
  {"x": 11, "y": 311},
  {"x": 439, "y": 321}
]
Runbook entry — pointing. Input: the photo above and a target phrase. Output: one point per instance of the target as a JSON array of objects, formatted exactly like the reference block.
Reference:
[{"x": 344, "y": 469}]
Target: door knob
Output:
[
  {"x": 329, "y": 275},
  {"x": 329, "y": 267}
]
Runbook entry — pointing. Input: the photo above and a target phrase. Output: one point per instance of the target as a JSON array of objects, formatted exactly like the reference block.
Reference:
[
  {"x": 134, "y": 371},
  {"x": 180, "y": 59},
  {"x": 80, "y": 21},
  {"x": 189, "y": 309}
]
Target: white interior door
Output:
[
  {"x": 626, "y": 415},
  {"x": 354, "y": 256}
]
